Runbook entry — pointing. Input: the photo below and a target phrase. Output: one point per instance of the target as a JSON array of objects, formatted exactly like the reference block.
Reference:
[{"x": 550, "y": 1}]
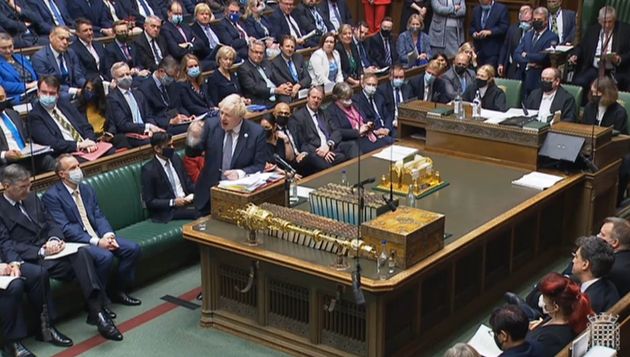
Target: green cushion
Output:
[
  {"x": 624, "y": 100},
  {"x": 119, "y": 195},
  {"x": 154, "y": 237},
  {"x": 513, "y": 90},
  {"x": 576, "y": 92}
]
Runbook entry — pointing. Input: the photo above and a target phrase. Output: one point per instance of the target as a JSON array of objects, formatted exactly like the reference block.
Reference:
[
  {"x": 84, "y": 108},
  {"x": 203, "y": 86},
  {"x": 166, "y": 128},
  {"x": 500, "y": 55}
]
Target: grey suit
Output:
[
  {"x": 447, "y": 27},
  {"x": 452, "y": 82}
]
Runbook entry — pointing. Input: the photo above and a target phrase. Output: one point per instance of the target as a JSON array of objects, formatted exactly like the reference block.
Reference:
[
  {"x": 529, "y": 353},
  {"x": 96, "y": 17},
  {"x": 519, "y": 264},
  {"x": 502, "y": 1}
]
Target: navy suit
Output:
[
  {"x": 45, "y": 64},
  {"x": 340, "y": 120},
  {"x": 159, "y": 105},
  {"x": 114, "y": 53},
  {"x": 229, "y": 35},
  {"x": 188, "y": 100},
  {"x": 120, "y": 118},
  {"x": 42, "y": 10},
  {"x": 157, "y": 191},
  {"x": 281, "y": 26},
  {"x": 256, "y": 30},
  {"x": 282, "y": 74},
  {"x": 45, "y": 131},
  {"x": 95, "y": 11},
  {"x": 63, "y": 209},
  {"x": 437, "y": 92},
  {"x": 386, "y": 90},
  {"x": 92, "y": 69},
  {"x": 253, "y": 85},
  {"x": 376, "y": 51},
  {"x": 10, "y": 79},
  {"x": 534, "y": 55},
  {"x": 381, "y": 117},
  {"x": 144, "y": 57},
  {"x": 569, "y": 19},
  {"x": 506, "y": 56},
  {"x": 207, "y": 55},
  {"x": 497, "y": 22},
  {"x": 308, "y": 19},
  {"x": 174, "y": 38},
  {"x": 603, "y": 295},
  {"x": 249, "y": 155},
  {"x": 342, "y": 6},
  {"x": 130, "y": 7}
]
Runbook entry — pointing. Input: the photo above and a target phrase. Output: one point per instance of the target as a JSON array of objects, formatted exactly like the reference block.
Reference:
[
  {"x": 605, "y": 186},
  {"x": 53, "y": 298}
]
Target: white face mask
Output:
[
  {"x": 370, "y": 90},
  {"x": 75, "y": 176},
  {"x": 542, "y": 305},
  {"x": 346, "y": 102}
]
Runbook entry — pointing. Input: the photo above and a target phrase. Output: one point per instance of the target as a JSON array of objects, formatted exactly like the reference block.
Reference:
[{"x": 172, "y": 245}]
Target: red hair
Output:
[{"x": 573, "y": 304}]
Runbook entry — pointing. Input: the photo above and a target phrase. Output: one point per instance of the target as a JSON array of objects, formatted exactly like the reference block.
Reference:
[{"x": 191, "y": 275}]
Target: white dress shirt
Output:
[
  {"x": 544, "y": 111},
  {"x": 65, "y": 133},
  {"x": 322, "y": 138},
  {"x": 178, "y": 189}
]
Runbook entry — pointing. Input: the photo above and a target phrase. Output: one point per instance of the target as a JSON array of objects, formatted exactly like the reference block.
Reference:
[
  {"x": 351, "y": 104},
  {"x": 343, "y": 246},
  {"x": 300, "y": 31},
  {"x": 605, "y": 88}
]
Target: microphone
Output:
[
  {"x": 525, "y": 111},
  {"x": 390, "y": 203},
  {"x": 359, "y": 298},
  {"x": 363, "y": 183},
  {"x": 285, "y": 165}
]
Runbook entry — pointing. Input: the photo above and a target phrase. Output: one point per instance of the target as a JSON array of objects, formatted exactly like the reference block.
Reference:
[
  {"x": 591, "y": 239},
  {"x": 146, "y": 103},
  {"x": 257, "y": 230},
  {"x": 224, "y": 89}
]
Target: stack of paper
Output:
[
  {"x": 250, "y": 183},
  {"x": 70, "y": 248},
  {"x": 495, "y": 117},
  {"x": 5, "y": 281},
  {"x": 484, "y": 343},
  {"x": 537, "y": 180},
  {"x": 395, "y": 153}
]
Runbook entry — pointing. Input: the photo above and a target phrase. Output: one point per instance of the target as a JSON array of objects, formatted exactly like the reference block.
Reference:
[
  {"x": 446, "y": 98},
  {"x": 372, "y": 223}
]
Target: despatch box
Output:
[
  {"x": 226, "y": 202},
  {"x": 412, "y": 233}
]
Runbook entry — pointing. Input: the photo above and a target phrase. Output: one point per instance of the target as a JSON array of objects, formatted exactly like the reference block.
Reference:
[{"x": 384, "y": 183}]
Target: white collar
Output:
[
  {"x": 55, "y": 53},
  {"x": 162, "y": 161},
  {"x": 70, "y": 189},
  {"x": 587, "y": 284},
  {"x": 8, "y": 199},
  {"x": 237, "y": 129}
]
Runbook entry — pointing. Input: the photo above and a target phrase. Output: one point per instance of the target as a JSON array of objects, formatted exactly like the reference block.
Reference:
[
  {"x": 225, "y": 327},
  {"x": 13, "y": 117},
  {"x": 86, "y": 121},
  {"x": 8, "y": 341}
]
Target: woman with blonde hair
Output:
[
  {"x": 349, "y": 55},
  {"x": 223, "y": 82},
  {"x": 414, "y": 40},
  {"x": 492, "y": 97},
  {"x": 469, "y": 49},
  {"x": 190, "y": 87}
]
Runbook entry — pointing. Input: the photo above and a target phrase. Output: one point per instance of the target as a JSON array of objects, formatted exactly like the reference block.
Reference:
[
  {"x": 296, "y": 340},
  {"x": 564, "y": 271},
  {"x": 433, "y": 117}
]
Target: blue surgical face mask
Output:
[
  {"x": 525, "y": 26},
  {"x": 397, "y": 82},
  {"x": 177, "y": 19},
  {"x": 428, "y": 78},
  {"x": 235, "y": 17},
  {"x": 167, "y": 80},
  {"x": 194, "y": 72},
  {"x": 486, "y": 7},
  {"x": 48, "y": 101}
]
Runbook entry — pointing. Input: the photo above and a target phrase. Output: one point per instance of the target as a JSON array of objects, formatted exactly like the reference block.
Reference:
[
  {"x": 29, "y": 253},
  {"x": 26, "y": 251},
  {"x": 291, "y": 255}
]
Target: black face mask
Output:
[
  {"x": 546, "y": 86},
  {"x": 282, "y": 120},
  {"x": 481, "y": 82},
  {"x": 5, "y": 104},
  {"x": 538, "y": 25},
  {"x": 595, "y": 99},
  {"x": 268, "y": 132},
  {"x": 168, "y": 152},
  {"x": 460, "y": 70},
  {"x": 386, "y": 33}
]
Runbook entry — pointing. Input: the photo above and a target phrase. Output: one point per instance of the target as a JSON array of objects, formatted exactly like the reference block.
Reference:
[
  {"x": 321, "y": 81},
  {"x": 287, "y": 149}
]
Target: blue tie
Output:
[
  {"x": 484, "y": 17},
  {"x": 16, "y": 134},
  {"x": 56, "y": 13},
  {"x": 62, "y": 67},
  {"x": 145, "y": 7},
  {"x": 293, "y": 71},
  {"x": 135, "y": 111}
]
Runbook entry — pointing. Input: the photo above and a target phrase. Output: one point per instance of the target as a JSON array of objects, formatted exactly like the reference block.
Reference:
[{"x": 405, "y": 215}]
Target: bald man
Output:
[{"x": 459, "y": 76}]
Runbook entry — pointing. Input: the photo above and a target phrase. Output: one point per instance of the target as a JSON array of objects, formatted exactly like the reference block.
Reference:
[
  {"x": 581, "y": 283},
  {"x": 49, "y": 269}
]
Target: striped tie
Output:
[{"x": 66, "y": 125}]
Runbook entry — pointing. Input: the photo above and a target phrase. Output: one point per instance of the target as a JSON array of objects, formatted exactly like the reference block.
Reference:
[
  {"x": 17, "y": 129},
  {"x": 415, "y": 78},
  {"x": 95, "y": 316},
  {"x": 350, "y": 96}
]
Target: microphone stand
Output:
[
  {"x": 390, "y": 202},
  {"x": 359, "y": 298},
  {"x": 290, "y": 176}
]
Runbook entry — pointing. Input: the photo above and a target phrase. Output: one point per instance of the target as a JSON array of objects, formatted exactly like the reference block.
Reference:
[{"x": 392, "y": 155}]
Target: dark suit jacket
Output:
[
  {"x": 159, "y": 7},
  {"x": 173, "y": 38},
  {"x": 158, "y": 107},
  {"x": 345, "y": 61},
  {"x": 249, "y": 155},
  {"x": 254, "y": 28},
  {"x": 113, "y": 54},
  {"x": 308, "y": 19},
  {"x": 310, "y": 138},
  {"x": 145, "y": 56},
  {"x": 386, "y": 90},
  {"x": 229, "y": 35},
  {"x": 512, "y": 39},
  {"x": 619, "y": 272},
  {"x": 119, "y": 114},
  {"x": 10, "y": 79},
  {"x": 253, "y": 85},
  {"x": 569, "y": 19},
  {"x": 63, "y": 209},
  {"x": 494, "y": 99},
  {"x": 563, "y": 101},
  {"x": 281, "y": 73},
  {"x": 88, "y": 62},
  {"x": 281, "y": 26},
  {"x": 498, "y": 22},
  {"x": 219, "y": 87},
  {"x": 534, "y": 55},
  {"x": 45, "y": 64},
  {"x": 42, "y": 11},
  {"x": 438, "y": 90},
  {"x": 376, "y": 50},
  {"x": 13, "y": 23},
  {"x": 206, "y": 54},
  {"x": 344, "y": 11},
  {"x": 20, "y": 237},
  {"x": 382, "y": 119},
  {"x": 96, "y": 12},
  {"x": 19, "y": 125},
  {"x": 156, "y": 188},
  {"x": 603, "y": 295},
  {"x": 588, "y": 45},
  {"x": 614, "y": 116},
  {"x": 188, "y": 101},
  {"x": 46, "y": 132}
]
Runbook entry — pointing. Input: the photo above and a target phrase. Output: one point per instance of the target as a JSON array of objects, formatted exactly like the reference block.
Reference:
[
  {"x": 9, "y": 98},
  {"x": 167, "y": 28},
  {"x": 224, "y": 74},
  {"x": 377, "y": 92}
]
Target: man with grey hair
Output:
[
  {"x": 255, "y": 76},
  {"x": 529, "y": 55},
  {"x": 28, "y": 234},
  {"x": 603, "y": 45},
  {"x": 233, "y": 148},
  {"x": 151, "y": 46}
]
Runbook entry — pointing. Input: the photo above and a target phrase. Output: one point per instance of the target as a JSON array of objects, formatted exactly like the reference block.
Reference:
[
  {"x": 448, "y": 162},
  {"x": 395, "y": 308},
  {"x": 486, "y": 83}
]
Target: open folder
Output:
[{"x": 101, "y": 148}]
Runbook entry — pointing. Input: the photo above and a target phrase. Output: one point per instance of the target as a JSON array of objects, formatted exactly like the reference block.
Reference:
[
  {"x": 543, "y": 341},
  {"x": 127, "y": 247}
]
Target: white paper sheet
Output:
[
  {"x": 537, "y": 180},
  {"x": 303, "y": 191},
  {"x": 70, "y": 249},
  {"x": 395, "y": 153},
  {"x": 483, "y": 342},
  {"x": 5, "y": 281},
  {"x": 494, "y": 117}
]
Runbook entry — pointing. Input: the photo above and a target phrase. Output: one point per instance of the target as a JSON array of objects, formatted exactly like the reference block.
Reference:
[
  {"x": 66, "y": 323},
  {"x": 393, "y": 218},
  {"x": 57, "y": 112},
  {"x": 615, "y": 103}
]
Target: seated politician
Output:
[
  {"x": 161, "y": 95},
  {"x": 351, "y": 67},
  {"x": 551, "y": 97},
  {"x": 180, "y": 38},
  {"x": 321, "y": 137},
  {"x": 91, "y": 54},
  {"x": 19, "y": 21},
  {"x": 123, "y": 49},
  {"x": 127, "y": 109},
  {"x": 459, "y": 76},
  {"x": 414, "y": 40},
  {"x": 223, "y": 81},
  {"x": 151, "y": 46},
  {"x": 430, "y": 87},
  {"x": 255, "y": 77},
  {"x": 14, "y": 139},
  {"x": 353, "y": 123},
  {"x": 167, "y": 191},
  {"x": 28, "y": 232},
  {"x": 370, "y": 102},
  {"x": 74, "y": 206},
  {"x": 206, "y": 30},
  {"x": 324, "y": 65},
  {"x": 290, "y": 68},
  {"x": 232, "y": 30},
  {"x": 57, "y": 123},
  {"x": 190, "y": 88},
  {"x": 492, "y": 97},
  {"x": 59, "y": 60},
  {"x": 510, "y": 326},
  {"x": 16, "y": 72},
  {"x": 286, "y": 21},
  {"x": 233, "y": 148},
  {"x": 602, "y": 108},
  {"x": 395, "y": 91}
]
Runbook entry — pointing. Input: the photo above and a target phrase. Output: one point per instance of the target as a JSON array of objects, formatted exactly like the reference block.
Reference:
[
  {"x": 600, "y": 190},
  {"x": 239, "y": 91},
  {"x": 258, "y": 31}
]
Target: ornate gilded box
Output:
[
  {"x": 413, "y": 234},
  {"x": 226, "y": 202}
]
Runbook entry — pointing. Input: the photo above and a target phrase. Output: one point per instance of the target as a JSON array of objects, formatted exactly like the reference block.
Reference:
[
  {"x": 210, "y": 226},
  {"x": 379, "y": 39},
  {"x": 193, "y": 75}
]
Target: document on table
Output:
[
  {"x": 70, "y": 249},
  {"x": 5, "y": 281},
  {"x": 483, "y": 342},
  {"x": 36, "y": 149},
  {"x": 304, "y": 192},
  {"x": 537, "y": 180},
  {"x": 495, "y": 117},
  {"x": 249, "y": 183},
  {"x": 395, "y": 153},
  {"x": 101, "y": 148}
]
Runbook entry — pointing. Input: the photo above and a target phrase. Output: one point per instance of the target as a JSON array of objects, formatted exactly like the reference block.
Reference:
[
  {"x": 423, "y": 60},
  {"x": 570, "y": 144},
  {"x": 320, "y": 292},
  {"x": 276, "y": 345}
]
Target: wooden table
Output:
[{"x": 281, "y": 294}]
